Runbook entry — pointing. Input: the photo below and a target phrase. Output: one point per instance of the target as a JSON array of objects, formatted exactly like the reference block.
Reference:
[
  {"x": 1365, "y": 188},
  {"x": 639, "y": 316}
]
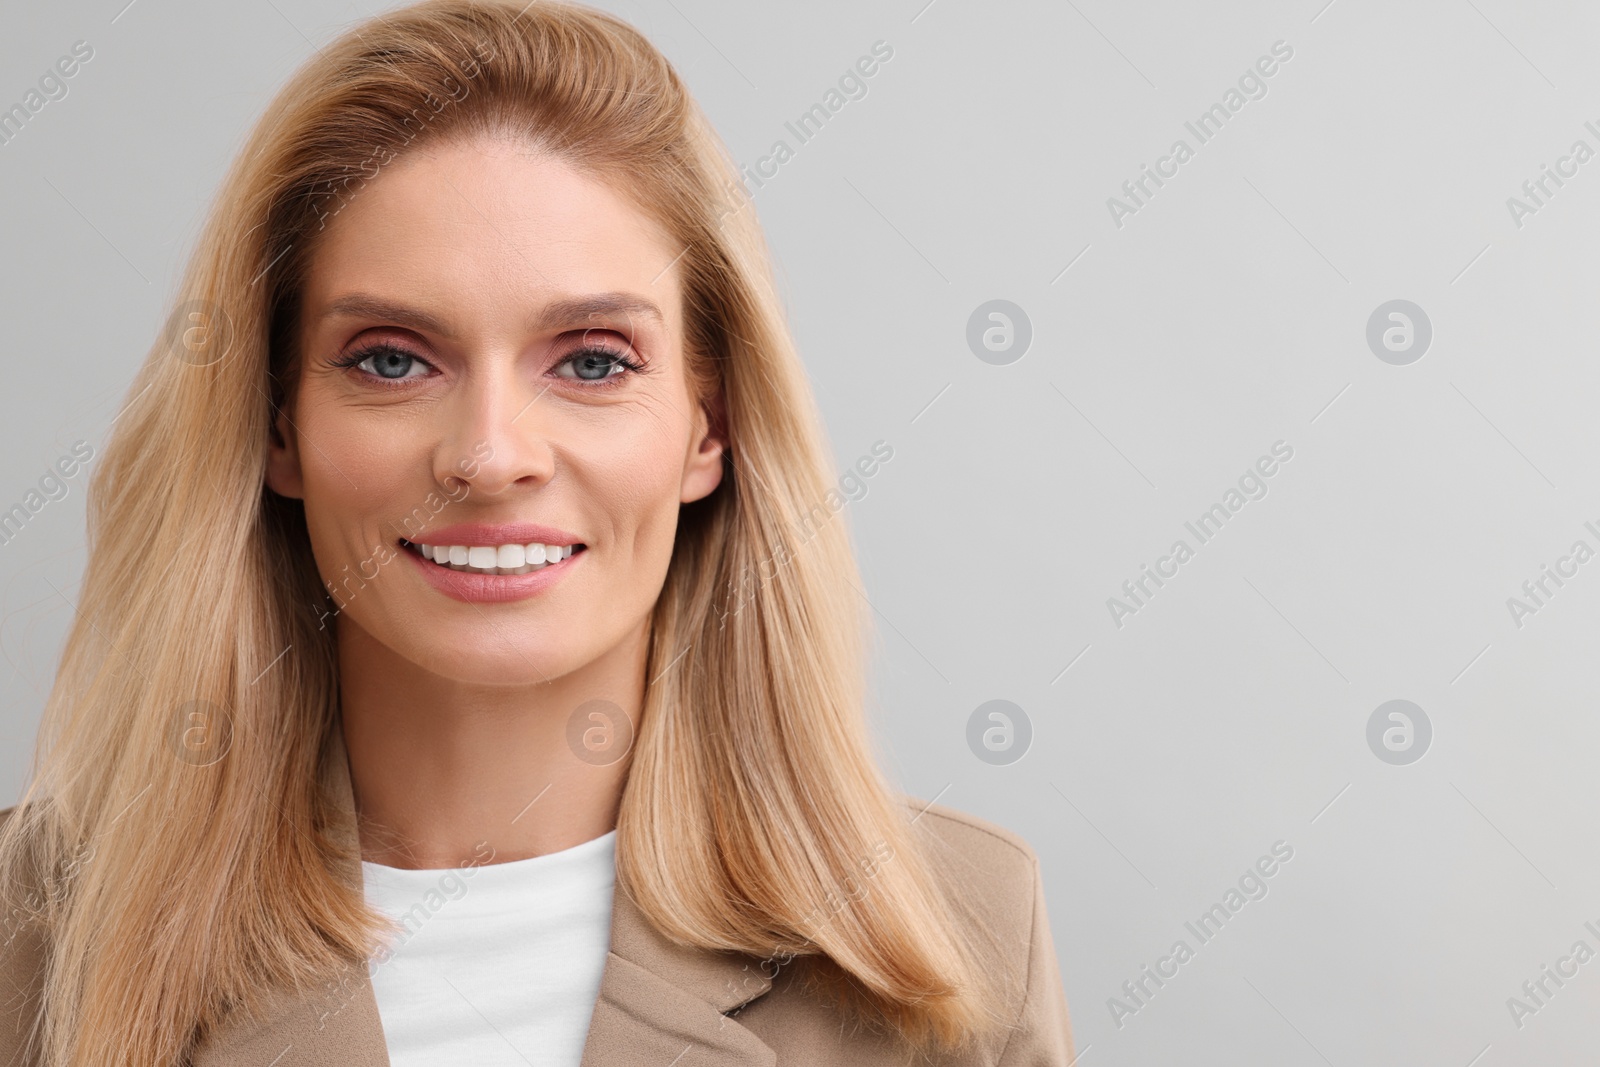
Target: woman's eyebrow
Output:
[
  {"x": 574, "y": 310},
  {"x": 364, "y": 306},
  {"x": 563, "y": 312}
]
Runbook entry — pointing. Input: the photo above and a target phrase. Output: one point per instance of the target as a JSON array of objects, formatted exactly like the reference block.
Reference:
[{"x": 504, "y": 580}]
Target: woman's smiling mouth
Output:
[
  {"x": 512, "y": 558},
  {"x": 491, "y": 562}
]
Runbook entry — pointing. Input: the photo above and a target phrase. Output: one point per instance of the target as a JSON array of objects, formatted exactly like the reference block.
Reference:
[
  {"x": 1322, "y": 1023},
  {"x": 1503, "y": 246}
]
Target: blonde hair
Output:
[{"x": 753, "y": 809}]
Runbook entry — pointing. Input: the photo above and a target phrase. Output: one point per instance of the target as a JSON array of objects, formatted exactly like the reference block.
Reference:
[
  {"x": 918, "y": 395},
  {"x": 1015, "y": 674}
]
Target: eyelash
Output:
[{"x": 610, "y": 381}]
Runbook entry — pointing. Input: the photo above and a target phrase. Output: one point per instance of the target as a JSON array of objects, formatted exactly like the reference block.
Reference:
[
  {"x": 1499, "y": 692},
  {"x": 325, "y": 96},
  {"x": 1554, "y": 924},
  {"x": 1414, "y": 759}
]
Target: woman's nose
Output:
[{"x": 500, "y": 432}]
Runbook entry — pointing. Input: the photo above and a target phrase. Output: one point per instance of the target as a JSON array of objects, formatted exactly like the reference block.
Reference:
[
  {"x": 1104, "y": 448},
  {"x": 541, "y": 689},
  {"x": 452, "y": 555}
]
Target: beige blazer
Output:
[{"x": 660, "y": 1003}]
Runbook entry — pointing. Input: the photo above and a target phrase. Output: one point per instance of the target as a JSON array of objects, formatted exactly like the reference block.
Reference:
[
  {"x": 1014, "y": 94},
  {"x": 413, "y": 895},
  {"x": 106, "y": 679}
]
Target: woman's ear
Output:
[
  {"x": 283, "y": 457},
  {"x": 703, "y": 471}
]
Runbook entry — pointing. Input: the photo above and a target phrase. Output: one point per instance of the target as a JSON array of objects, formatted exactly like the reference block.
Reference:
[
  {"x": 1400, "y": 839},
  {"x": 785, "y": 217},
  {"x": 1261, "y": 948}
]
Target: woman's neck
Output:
[{"x": 441, "y": 768}]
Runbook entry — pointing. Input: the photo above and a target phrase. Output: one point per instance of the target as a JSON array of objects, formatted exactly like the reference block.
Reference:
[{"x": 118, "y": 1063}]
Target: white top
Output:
[{"x": 500, "y": 963}]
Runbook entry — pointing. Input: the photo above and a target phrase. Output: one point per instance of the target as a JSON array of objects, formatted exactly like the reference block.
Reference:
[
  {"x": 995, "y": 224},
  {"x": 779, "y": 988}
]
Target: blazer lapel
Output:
[
  {"x": 663, "y": 1003},
  {"x": 659, "y": 1002}
]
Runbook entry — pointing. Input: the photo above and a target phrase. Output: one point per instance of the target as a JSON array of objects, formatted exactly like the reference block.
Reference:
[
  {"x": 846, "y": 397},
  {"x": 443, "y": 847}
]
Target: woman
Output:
[{"x": 448, "y": 683}]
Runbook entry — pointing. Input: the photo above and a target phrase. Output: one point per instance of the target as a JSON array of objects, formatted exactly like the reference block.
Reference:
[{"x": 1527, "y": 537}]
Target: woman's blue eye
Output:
[
  {"x": 398, "y": 362},
  {"x": 388, "y": 362},
  {"x": 391, "y": 362},
  {"x": 602, "y": 361}
]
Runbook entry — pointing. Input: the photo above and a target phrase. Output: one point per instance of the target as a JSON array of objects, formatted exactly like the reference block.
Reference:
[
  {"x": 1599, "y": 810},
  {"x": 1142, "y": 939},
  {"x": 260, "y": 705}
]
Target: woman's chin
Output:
[
  {"x": 497, "y": 661},
  {"x": 476, "y": 651}
]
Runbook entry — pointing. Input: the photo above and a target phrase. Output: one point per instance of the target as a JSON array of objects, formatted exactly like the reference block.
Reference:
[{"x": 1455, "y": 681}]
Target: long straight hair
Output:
[{"x": 754, "y": 817}]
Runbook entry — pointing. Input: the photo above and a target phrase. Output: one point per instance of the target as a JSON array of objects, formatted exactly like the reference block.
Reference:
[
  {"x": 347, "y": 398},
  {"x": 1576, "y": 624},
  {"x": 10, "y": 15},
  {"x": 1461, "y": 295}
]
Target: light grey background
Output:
[{"x": 1229, "y": 313}]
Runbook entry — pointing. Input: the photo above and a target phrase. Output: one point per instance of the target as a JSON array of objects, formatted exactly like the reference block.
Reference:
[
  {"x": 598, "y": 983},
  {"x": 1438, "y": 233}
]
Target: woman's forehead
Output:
[{"x": 479, "y": 224}]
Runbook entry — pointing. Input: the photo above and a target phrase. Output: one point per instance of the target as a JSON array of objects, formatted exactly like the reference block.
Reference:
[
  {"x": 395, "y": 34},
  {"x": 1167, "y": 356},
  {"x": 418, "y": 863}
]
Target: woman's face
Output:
[{"x": 492, "y": 358}]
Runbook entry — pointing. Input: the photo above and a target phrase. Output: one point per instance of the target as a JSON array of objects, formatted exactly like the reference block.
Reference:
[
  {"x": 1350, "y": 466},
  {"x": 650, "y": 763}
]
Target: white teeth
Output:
[{"x": 496, "y": 559}]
